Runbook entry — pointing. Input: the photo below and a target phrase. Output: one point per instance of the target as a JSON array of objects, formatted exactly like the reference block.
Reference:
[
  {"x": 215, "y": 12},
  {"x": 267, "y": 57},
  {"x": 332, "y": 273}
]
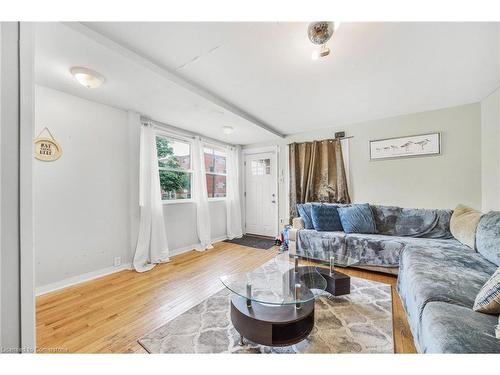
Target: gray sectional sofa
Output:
[
  {"x": 439, "y": 277},
  {"x": 397, "y": 229}
]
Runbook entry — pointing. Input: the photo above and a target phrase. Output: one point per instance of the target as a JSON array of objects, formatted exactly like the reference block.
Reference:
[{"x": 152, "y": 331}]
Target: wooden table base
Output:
[
  {"x": 272, "y": 325},
  {"x": 283, "y": 325}
]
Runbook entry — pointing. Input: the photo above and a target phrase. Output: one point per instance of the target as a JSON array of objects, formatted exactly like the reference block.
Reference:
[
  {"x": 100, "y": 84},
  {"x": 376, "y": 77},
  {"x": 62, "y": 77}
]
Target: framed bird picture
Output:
[{"x": 414, "y": 145}]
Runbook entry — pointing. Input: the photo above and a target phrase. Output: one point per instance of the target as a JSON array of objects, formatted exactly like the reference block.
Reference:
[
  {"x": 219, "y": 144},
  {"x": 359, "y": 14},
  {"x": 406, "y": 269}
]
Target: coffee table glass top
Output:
[
  {"x": 343, "y": 261},
  {"x": 277, "y": 283}
]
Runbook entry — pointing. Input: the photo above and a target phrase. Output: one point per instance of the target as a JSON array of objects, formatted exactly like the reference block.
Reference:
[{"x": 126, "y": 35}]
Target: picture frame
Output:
[{"x": 407, "y": 146}]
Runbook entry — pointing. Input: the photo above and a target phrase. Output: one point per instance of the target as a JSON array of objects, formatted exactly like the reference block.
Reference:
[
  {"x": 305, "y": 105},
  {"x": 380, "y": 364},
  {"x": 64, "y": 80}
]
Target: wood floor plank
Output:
[{"x": 109, "y": 314}]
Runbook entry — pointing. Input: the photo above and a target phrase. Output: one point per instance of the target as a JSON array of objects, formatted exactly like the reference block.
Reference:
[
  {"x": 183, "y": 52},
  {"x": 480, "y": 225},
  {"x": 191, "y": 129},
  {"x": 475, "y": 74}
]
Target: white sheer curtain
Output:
[
  {"x": 233, "y": 202},
  {"x": 152, "y": 246},
  {"x": 201, "y": 196}
]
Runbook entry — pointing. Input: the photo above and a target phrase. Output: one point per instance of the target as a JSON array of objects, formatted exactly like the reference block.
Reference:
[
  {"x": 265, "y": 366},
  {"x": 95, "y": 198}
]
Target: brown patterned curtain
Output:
[{"x": 317, "y": 173}]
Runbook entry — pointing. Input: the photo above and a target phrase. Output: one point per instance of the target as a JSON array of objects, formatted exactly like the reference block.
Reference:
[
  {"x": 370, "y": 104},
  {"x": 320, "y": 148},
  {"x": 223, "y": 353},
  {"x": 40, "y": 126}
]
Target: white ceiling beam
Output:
[{"x": 168, "y": 74}]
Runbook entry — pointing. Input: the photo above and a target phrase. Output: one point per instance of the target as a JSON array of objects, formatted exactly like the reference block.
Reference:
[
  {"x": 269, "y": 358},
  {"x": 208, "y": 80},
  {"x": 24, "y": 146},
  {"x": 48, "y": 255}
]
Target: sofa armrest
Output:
[{"x": 297, "y": 223}]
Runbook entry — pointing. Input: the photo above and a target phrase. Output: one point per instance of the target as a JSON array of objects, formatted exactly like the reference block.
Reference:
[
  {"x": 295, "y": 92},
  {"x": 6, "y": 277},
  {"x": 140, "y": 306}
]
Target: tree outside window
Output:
[{"x": 174, "y": 164}]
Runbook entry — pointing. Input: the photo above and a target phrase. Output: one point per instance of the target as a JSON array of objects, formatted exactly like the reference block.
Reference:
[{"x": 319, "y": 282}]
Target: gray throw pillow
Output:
[{"x": 488, "y": 237}]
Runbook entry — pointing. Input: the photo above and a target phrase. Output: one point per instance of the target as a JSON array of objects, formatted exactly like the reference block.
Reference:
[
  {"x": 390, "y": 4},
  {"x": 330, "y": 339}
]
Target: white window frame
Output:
[
  {"x": 221, "y": 149},
  {"x": 174, "y": 137}
]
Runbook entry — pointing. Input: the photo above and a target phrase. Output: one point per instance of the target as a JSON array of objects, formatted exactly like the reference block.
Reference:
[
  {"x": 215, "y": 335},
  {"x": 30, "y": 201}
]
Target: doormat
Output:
[{"x": 253, "y": 241}]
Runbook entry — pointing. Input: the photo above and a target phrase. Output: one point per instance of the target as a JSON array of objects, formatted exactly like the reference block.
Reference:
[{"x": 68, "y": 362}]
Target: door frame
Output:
[
  {"x": 254, "y": 151},
  {"x": 26, "y": 190},
  {"x": 17, "y": 325}
]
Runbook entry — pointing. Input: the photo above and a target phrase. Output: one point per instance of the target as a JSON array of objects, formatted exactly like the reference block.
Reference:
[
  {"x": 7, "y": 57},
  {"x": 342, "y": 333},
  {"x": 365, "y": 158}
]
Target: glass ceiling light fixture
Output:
[
  {"x": 319, "y": 33},
  {"x": 87, "y": 77},
  {"x": 227, "y": 129}
]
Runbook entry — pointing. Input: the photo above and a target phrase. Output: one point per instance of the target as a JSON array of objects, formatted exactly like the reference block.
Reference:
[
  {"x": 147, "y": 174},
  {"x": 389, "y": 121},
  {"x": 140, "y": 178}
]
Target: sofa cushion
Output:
[
  {"x": 463, "y": 224},
  {"x": 488, "y": 299},
  {"x": 320, "y": 245},
  {"x": 357, "y": 218},
  {"x": 448, "y": 328},
  {"x": 445, "y": 271},
  {"x": 325, "y": 217},
  {"x": 304, "y": 210},
  {"x": 376, "y": 249},
  {"x": 488, "y": 236},
  {"x": 412, "y": 222}
]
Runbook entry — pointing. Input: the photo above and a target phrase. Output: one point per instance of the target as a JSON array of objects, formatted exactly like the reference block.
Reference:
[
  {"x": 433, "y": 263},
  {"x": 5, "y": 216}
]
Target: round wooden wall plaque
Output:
[{"x": 47, "y": 148}]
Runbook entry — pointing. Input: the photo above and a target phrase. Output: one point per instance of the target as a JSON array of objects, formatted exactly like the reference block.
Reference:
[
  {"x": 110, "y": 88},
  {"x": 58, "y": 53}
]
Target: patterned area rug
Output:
[{"x": 360, "y": 322}]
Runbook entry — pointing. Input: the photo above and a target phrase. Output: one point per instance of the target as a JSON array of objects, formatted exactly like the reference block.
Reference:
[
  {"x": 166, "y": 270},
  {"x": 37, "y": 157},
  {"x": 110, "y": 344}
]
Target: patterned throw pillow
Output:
[{"x": 488, "y": 298}]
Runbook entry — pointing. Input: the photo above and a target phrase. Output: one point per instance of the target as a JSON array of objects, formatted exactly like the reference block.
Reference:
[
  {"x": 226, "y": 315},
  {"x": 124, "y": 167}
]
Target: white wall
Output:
[
  {"x": 490, "y": 152},
  {"x": 86, "y": 203},
  {"x": 180, "y": 224},
  {"x": 81, "y": 200},
  {"x": 429, "y": 182}
]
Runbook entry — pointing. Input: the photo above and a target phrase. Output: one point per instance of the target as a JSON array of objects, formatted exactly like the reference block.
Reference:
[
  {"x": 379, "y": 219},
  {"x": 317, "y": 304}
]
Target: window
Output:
[
  {"x": 174, "y": 163},
  {"x": 261, "y": 167},
  {"x": 215, "y": 168}
]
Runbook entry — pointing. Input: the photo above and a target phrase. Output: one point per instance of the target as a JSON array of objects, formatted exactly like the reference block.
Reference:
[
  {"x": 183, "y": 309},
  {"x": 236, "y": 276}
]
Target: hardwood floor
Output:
[{"x": 109, "y": 314}]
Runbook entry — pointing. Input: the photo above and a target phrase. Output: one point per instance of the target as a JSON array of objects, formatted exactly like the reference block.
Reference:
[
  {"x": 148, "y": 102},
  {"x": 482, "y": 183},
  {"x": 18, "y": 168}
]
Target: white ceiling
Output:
[
  {"x": 131, "y": 86},
  {"x": 375, "y": 70}
]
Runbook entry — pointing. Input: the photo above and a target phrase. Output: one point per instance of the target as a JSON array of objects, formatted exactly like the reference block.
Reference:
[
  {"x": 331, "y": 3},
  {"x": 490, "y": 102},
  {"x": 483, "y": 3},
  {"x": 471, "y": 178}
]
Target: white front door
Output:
[{"x": 261, "y": 203}]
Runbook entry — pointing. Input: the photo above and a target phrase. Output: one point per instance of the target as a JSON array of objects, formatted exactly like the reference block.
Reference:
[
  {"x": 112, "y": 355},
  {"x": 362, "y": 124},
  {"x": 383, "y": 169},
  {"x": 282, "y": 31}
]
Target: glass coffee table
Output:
[{"x": 273, "y": 305}]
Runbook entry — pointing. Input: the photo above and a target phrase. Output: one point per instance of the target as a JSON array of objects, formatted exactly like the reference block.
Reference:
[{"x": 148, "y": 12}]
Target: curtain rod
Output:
[
  {"x": 186, "y": 133},
  {"x": 320, "y": 140}
]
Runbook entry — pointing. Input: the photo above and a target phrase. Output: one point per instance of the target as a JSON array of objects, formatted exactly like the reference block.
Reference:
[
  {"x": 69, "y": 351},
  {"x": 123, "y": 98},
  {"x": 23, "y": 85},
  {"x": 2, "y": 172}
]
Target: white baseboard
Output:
[
  {"x": 219, "y": 239},
  {"x": 52, "y": 287},
  {"x": 195, "y": 247},
  {"x": 181, "y": 250},
  {"x": 80, "y": 279}
]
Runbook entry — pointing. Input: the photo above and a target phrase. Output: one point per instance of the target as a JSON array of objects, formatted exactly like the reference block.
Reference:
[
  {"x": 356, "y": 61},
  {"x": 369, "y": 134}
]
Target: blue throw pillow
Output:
[
  {"x": 304, "y": 210},
  {"x": 357, "y": 218},
  {"x": 325, "y": 217}
]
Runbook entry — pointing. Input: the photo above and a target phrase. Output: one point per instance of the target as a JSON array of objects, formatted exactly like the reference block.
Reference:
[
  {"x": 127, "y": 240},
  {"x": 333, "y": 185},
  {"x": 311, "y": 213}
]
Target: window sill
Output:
[
  {"x": 182, "y": 201},
  {"x": 222, "y": 199},
  {"x": 178, "y": 201}
]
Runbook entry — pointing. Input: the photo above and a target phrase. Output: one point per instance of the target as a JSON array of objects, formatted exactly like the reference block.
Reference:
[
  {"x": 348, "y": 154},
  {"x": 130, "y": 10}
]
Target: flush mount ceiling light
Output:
[
  {"x": 227, "y": 129},
  {"x": 87, "y": 77},
  {"x": 319, "y": 33}
]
